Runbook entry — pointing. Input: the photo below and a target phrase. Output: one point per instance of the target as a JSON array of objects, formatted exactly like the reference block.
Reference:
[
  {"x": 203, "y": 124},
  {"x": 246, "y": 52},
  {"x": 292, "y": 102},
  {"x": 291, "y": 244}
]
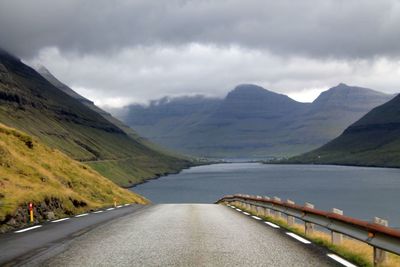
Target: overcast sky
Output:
[{"x": 119, "y": 52}]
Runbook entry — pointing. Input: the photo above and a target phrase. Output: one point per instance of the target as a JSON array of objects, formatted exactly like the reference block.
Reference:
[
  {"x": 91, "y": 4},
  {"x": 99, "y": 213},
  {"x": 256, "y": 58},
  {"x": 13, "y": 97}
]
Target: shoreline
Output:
[
  {"x": 333, "y": 164},
  {"x": 160, "y": 175}
]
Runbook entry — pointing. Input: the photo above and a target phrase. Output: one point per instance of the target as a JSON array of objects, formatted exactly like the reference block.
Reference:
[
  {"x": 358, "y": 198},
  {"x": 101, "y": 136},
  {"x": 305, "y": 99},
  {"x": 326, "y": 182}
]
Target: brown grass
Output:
[{"x": 32, "y": 172}]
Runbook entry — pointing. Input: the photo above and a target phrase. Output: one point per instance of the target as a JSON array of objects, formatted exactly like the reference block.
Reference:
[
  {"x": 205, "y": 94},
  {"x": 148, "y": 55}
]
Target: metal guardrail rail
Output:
[{"x": 374, "y": 234}]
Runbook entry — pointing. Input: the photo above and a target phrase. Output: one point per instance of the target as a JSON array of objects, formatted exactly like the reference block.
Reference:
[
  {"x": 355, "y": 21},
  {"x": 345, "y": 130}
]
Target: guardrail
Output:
[{"x": 377, "y": 234}]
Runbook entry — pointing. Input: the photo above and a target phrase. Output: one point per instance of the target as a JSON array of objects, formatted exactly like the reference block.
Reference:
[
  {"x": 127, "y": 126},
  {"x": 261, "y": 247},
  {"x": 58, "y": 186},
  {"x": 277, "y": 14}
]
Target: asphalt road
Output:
[
  {"x": 180, "y": 235},
  {"x": 16, "y": 248}
]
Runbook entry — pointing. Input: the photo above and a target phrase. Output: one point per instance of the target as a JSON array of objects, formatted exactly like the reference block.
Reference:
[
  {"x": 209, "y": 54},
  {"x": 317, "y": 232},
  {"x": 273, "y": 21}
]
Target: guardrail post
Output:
[
  {"x": 246, "y": 205},
  {"x": 267, "y": 211},
  {"x": 380, "y": 256},
  {"x": 278, "y": 214},
  {"x": 260, "y": 210},
  {"x": 254, "y": 208},
  {"x": 337, "y": 238},
  {"x": 290, "y": 219},
  {"x": 308, "y": 227}
]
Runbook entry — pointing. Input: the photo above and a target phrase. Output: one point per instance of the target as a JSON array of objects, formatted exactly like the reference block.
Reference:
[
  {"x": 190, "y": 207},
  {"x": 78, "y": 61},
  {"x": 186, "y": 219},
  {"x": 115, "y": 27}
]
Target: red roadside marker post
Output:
[{"x": 31, "y": 212}]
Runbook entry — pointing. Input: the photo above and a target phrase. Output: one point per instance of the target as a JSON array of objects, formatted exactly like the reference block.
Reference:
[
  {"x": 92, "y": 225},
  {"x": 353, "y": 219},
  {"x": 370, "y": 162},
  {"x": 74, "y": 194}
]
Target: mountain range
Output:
[
  {"x": 250, "y": 122},
  {"x": 373, "y": 140},
  {"x": 64, "y": 120}
]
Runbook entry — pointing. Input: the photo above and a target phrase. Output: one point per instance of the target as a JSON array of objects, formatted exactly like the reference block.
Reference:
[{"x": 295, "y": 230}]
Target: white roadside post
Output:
[
  {"x": 260, "y": 210},
  {"x": 267, "y": 211},
  {"x": 308, "y": 227},
  {"x": 337, "y": 238},
  {"x": 290, "y": 219},
  {"x": 278, "y": 214},
  {"x": 248, "y": 206},
  {"x": 380, "y": 256}
]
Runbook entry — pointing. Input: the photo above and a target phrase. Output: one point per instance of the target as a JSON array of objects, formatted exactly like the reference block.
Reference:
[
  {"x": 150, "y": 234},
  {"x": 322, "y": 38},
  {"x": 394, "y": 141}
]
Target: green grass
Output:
[{"x": 127, "y": 172}]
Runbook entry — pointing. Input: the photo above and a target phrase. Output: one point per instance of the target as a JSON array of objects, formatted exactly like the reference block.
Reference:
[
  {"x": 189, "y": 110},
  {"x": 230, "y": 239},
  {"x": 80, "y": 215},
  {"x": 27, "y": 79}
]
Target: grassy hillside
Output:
[
  {"x": 106, "y": 115},
  {"x": 31, "y": 103},
  {"x": 374, "y": 140},
  {"x": 33, "y": 172}
]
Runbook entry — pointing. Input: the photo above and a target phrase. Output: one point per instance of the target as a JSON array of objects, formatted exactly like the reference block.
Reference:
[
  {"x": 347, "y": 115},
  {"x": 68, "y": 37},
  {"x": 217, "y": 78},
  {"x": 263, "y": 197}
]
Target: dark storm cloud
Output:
[
  {"x": 117, "y": 52},
  {"x": 336, "y": 28}
]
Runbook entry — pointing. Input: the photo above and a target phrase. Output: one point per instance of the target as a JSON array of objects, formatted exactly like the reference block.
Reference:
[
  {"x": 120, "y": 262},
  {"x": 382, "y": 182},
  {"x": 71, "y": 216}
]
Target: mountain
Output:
[
  {"x": 170, "y": 122},
  {"x": 251, "y": 122},
  {"x": 57, "y": 185},
  {"x": 334, "y": 110},
  {"x": 42, "y": 70},
  {"x": 31, "y": 103},
  {"x": 373, "y": 140}
]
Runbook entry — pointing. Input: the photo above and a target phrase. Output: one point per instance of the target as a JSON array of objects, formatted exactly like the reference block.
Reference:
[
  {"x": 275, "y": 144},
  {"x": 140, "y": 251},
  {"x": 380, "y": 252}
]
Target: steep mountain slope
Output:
[
  {"x": 129, "y": 131},
  {"x": 334, "y": 110},
  {"x": 32, "y": 172},
  {"x": 171, "y": 122},
  {"x": 374, "y": 140},
  {"x": 30, "y": 103},
  {"x": 42, "y": 70},
  {"x": 252, "y": 121}
]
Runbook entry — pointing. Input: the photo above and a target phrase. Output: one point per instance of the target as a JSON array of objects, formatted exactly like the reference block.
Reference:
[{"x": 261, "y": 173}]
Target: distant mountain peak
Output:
[
  {"x": 341, "y": 85},
  {"x": 252, "y": 91},
  {"x": 344, "y": 95},
  {"x": 248, "y": 86},
  {"x": 345, "y": 88}
]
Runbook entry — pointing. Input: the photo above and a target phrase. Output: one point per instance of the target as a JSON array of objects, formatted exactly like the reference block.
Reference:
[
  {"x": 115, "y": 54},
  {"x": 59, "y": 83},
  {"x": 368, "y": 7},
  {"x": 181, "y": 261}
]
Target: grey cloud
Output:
[
  {"x": 332, "y": 28},
  {"x": 146, "y": 73}
]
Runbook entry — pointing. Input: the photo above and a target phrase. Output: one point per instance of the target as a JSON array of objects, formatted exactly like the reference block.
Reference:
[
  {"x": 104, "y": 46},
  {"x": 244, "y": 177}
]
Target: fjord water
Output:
[{"x": 360, "y": 191}]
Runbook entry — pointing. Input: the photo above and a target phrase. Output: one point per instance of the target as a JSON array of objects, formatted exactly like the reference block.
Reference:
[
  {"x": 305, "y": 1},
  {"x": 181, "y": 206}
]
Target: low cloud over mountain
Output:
[{"x": 123, "y": 52}]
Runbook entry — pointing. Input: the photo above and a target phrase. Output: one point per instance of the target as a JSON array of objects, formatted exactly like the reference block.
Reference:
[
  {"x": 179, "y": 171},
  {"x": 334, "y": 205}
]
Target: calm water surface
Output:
[{"x": 360, "y": 192}]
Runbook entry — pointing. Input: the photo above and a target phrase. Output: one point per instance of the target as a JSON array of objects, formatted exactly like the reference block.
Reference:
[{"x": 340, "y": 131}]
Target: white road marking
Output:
[
  {"x": 110, "y": 209},
  {"x": 273, "y": 225},
  {"x": 238, "y": 209},
  {"x": 340, "y": 260},
  {"x": 257, "y": 218},
  {"x": 28, "y": 229},
  {"x": 99, "y": 211},
  {"x": 60, "y": 220},
  {"x": 120, "y": 206},
  {"x": 245, "y": 213},
  {"x": 81, "y": 215},
  {"x": 127, "y": 205},
  {"x": 298, "y": 238}
]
